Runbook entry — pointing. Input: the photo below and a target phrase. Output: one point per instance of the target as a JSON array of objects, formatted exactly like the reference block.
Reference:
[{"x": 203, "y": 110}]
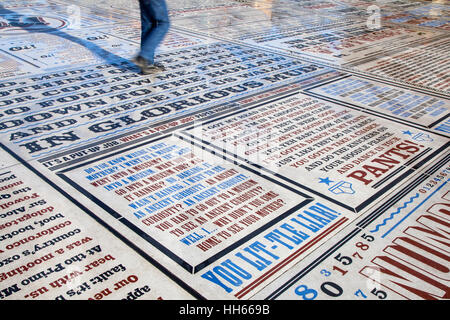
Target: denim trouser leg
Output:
[{"x": 155, "y": 24}]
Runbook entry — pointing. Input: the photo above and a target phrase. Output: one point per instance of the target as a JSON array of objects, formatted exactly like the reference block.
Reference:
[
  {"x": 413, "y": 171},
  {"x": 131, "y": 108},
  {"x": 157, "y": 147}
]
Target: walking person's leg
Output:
[
  {"x": 146, "y": 23},
  {"x": 155, "y": 24}
]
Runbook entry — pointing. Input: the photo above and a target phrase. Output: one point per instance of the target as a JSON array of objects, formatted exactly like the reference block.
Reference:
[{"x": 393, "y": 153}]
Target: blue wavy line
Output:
[{"x": 377, "y": 228}]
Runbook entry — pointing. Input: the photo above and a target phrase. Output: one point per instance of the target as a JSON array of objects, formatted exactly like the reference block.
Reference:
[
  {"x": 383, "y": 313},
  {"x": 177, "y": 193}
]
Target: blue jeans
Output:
[{"x": 155, "y": 24}]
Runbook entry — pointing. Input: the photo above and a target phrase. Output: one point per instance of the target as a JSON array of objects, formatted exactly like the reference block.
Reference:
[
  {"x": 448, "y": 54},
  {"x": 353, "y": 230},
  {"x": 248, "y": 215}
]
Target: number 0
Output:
[{"x": 335, "y": 291}]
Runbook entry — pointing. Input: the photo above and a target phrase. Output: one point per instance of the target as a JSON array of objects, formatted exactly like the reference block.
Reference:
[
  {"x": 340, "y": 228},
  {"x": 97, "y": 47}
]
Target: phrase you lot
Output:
[
  {"x": 271, "y": 248},
  {"x": 243, "y": 265}
]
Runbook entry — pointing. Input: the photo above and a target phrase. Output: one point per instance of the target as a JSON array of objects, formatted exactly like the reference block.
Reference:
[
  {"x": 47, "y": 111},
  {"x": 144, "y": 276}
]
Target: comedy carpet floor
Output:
[{"x": 292, "y": 150}]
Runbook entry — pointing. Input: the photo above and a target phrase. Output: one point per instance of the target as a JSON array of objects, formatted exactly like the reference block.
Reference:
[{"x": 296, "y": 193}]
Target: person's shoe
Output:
[
  {"x": 152, "y": 68},
  {"x": 141, "y": 62},
  {"x": 160, "y": 66},
  {"x": 147, "y": 68}
]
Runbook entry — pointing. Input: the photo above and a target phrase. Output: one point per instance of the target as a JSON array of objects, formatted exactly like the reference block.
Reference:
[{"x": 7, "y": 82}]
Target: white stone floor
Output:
[{"x": 292, "y": 150}]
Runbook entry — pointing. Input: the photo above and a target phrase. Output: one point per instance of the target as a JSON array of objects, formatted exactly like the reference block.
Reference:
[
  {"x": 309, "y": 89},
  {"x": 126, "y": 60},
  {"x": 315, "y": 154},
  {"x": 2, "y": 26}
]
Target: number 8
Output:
[{"x": 306, "y": 293}]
